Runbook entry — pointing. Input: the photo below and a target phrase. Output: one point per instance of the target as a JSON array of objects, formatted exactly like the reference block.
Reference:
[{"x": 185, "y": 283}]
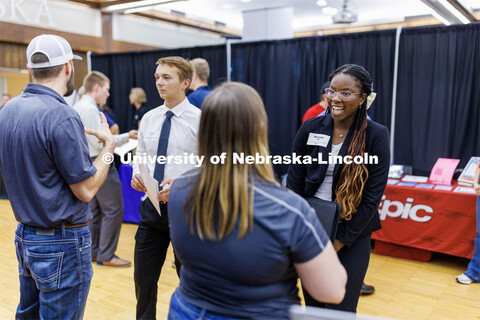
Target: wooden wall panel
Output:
[
  {"x": 16, "y": 81},
  {"x": 12, "y": 55},
  {"x": 14, "y": 39},
  {"x": 81, "y": 69},
  {"x": 20, "y": 34}
]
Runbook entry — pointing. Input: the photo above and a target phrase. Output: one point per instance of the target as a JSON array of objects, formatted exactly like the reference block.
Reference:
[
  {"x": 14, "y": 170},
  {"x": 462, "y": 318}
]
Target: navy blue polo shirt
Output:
[
  {"x": 253, "y": 277},
  {"x": 138, "y": 115},
  {"x": 196, "y": 97},
  {"x": 43, "y": 150},
  {"x": 110, "y": 121}
]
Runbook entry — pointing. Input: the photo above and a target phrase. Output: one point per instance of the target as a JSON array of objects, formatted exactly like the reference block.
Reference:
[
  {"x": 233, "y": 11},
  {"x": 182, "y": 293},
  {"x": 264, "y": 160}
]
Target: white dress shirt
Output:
[
  {"x": 182, "y": 139},
  {"x": 90, "y": 116}
]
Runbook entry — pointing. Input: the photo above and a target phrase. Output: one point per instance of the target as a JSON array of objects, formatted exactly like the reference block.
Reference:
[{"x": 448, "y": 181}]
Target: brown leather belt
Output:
[{"x": 69, "y": 225}]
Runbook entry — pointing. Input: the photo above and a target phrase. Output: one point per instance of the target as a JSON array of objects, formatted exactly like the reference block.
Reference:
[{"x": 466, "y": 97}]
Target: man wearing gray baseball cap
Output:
[{"x": 49, "y": 179}]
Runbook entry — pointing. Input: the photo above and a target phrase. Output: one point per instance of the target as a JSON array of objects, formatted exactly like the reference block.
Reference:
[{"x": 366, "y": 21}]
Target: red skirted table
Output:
[{"x": 417, "y": 222}]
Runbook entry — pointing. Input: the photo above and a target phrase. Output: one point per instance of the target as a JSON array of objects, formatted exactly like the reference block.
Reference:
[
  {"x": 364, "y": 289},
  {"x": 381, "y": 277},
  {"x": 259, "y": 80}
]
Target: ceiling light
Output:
[
  {"x": 321, "y": 3},
  {"x": 135, "y": 4},
  {"x": 449, "y": 11},
  {"x": 454, "y": 10},
  {"x": 440, "y": 18},
  {"x": 348, "y": 13},
  {"x": 330, "y": 11},
  {"x": 246, "y": 1}
]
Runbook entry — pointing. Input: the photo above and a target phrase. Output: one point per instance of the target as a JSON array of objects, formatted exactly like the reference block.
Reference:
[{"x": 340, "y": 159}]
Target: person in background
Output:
[
  {"x": 112, "y": 124},
  {"x": 5, "y": 98},
  {"x": 473, "y": 270},
  {"x": 199, "y": 85},
  {"x": 168, "y": 130},
  {"x": 358, "y": 188},
  {"x": 81, "y": 92},
  {"x": 49, "y": 178},
  {"x": 242, "y": 238},
  {"x": 111, "y": 118},
  {"x": 107, "y": 205},
  {"x": 138, "y": 99},
  {"x": 317, "y": 109},
  {"x": 109, "y": 112}
]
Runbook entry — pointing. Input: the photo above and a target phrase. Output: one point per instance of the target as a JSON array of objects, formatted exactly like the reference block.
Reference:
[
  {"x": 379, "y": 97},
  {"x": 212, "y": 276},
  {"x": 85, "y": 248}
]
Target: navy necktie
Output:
[{"x": 162, "y": 146}]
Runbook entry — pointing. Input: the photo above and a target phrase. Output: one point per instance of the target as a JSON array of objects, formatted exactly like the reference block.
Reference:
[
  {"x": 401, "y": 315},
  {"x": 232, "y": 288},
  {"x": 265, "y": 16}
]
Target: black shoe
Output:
[{"x": 366, "y": 289}]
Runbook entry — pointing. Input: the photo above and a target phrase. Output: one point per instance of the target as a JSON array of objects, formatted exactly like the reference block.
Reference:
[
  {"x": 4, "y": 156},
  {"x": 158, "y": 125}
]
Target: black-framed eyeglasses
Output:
[{"x": 342, "y": 95}]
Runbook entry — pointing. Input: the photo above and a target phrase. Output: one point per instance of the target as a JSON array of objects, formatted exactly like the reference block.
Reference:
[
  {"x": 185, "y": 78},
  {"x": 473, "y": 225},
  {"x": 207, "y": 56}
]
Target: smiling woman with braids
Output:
[{"x": 358, "y": 188}]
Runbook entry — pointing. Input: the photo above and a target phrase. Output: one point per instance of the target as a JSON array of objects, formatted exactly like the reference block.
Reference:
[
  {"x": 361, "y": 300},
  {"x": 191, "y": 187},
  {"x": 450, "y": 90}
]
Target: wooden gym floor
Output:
[{"x": 404, "y": 289}]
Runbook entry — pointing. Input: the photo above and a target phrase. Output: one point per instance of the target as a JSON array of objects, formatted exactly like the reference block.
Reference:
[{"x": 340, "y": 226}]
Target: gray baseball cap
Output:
[{"x": 57, "y": 50}]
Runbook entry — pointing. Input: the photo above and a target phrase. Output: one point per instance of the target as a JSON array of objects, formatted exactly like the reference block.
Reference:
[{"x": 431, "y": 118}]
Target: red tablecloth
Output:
[{"x": 433, "y": 220}]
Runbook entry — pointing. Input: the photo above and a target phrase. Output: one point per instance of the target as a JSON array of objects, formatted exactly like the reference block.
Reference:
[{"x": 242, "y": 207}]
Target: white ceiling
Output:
[{"x": 307, "y": 14}]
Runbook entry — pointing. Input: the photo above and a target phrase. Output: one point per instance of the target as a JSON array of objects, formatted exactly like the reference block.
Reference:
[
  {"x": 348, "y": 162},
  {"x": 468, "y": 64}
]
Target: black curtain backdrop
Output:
[
  {"x": 136, "y": 69},
  {"x": 438, "y": 89},
  {"x": 289, "y": 74},
  {"x": 438, "y": 97}
]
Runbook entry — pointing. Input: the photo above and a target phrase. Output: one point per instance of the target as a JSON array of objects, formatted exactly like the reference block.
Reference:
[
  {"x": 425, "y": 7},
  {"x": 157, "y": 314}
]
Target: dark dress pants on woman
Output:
[{"x": 355, "y": 260}]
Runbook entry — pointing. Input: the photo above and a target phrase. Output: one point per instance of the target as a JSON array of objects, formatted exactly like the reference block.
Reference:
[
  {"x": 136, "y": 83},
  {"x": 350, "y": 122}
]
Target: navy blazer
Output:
[{"x": 306, "y": 179}]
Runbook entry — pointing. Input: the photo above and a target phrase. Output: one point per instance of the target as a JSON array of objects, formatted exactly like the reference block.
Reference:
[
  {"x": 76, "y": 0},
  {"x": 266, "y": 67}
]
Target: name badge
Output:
[{"x": 318, "y": 139}]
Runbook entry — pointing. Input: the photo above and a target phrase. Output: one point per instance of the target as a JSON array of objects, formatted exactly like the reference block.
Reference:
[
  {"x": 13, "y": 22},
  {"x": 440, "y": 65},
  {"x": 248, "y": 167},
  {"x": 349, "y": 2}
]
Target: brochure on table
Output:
[
  {"x": 425, "y": 186},
  {"x": 410, "y": 178},
  {"x": 464, "y": 189},
  {"x": 443, "y": 188},
  {"x": 442, "y": 172},
  {"x": 468, "y": 173}
]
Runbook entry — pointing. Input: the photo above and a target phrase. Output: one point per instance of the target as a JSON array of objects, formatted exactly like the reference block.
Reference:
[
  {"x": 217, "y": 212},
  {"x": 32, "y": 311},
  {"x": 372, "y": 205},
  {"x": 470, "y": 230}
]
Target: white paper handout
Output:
[
  {"x": 126, "y": 147},
  {"x": 410, "y": 178},
  {"x": 152, "y": 186}
]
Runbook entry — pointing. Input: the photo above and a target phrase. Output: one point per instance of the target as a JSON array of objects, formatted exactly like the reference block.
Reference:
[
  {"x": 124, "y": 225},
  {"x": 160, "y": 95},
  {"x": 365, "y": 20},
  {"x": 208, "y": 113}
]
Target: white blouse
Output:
[{"x": 324, "y": 192}]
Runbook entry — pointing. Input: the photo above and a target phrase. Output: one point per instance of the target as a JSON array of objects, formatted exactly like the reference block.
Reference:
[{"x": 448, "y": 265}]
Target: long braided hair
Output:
[{"x": 353, "y": 176}]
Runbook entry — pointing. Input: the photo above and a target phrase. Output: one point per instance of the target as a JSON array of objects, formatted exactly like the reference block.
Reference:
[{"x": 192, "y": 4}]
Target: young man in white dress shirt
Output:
[
  {"x": 173, "y": 76},
  {"x": 107, "y": 205}
]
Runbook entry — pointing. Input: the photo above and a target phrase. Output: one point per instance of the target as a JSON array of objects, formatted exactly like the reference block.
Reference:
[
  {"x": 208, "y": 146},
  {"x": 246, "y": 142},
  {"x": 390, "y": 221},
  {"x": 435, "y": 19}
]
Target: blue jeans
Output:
[
  {"x": 55, "y": 268},
  {"x": 181, "y": 309},
  {"x": 473, "y": 270}
]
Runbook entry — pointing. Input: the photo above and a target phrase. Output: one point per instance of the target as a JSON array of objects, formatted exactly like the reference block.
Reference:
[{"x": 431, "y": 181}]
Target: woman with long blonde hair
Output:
[{"x": 241, "y": 238}]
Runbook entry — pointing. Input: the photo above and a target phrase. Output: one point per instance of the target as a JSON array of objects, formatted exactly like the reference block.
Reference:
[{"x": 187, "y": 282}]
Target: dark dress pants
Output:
[
  {"x": 107, "y": 217},
  {"x": 151, "y": 244},
  {"x": 355, "y": 260}
]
